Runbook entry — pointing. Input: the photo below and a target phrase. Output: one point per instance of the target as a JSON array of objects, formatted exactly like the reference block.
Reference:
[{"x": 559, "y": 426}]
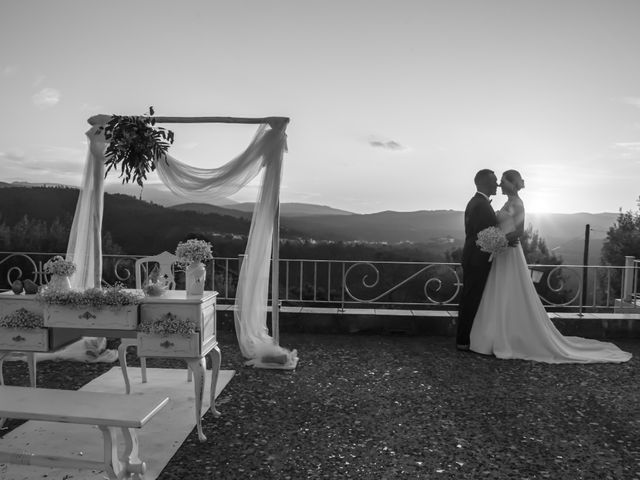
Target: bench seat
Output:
[{"x": 107, "y": 411}]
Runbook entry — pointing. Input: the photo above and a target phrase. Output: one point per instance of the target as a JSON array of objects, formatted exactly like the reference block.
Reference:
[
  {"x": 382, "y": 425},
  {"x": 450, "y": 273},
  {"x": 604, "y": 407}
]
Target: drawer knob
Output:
[
  {"x": 87, "y": 315},
  {"x": 18, "y": 338},
  {"x": 166, "y": 344}
]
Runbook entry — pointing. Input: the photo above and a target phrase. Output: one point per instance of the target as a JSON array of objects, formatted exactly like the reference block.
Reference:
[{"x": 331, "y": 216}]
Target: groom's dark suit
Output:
[{"x": 475, "y": 263}]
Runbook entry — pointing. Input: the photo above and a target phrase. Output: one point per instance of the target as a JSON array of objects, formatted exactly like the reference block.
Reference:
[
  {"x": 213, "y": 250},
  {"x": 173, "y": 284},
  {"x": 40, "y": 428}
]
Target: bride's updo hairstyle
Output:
[{"x": 515, "y": 180}]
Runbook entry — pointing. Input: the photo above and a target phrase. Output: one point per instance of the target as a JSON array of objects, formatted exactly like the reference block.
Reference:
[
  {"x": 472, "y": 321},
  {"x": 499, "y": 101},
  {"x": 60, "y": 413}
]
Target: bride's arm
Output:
[{"x": 518, "y": 221}]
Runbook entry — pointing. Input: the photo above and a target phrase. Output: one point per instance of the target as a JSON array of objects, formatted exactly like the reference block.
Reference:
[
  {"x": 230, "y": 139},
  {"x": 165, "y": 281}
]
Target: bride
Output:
[{"x": 511, "y": 321}]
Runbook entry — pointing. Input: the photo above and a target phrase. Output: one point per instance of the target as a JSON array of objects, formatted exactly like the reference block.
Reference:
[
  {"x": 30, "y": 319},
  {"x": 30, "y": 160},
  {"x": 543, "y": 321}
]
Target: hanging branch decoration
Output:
[{"x": 135, "y": 143}]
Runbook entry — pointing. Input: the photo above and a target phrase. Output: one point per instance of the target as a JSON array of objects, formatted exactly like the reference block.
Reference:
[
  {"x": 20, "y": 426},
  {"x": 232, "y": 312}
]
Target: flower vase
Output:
[
  {"x": 195, "y": 276},
  {"x": 59, "y": 283}
]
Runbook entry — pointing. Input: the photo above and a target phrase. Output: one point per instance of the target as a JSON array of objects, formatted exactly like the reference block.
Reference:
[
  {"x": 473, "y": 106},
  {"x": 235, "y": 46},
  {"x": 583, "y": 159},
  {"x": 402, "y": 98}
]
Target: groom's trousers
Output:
[{"x": 474, "y": 281}]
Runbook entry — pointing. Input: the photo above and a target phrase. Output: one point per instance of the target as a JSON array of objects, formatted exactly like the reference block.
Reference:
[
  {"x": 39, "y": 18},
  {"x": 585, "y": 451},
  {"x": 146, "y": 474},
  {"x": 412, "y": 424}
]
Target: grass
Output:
[{"x": 387, "y": 407}]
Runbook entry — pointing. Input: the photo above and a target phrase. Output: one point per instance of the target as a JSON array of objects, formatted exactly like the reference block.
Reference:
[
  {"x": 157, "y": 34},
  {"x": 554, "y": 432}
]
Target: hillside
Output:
[
  {"x": 295, "y": 209},
  {"x": 563, "y": 232},
  {"x": 245, "y": 210},
  {"x": 208, "y": 208},
  {"x": 138, "y": 226}
]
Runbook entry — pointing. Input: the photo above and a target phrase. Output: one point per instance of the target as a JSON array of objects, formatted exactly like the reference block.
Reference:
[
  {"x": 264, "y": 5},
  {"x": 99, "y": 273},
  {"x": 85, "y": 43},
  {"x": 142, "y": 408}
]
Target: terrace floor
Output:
[{"x": 387, "y": 407}]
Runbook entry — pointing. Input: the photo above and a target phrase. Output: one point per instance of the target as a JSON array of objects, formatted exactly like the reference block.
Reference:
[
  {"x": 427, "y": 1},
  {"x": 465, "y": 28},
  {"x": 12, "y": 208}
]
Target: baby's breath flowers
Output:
[
  {"x": 59, "y": 266},
  {"x": 492, "y": 240},
  {"x": 112, "y": 297},
  {"x": 193, "y": 251},
  {"x": 167, "y": 324},
  {"x": 22, "y": 319}
]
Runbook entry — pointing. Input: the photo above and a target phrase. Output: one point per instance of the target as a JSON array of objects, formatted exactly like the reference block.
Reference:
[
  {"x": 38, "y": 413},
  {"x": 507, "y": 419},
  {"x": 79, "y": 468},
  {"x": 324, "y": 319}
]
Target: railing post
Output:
[
  {"x": 585, "y": 269},
  {"x": 627, "y": 281},
  {"x": 341, "y": 309}
]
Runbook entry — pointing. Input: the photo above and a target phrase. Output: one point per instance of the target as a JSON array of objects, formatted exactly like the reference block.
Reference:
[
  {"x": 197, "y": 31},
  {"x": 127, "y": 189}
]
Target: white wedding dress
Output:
[{"x": 512, "y": 323}]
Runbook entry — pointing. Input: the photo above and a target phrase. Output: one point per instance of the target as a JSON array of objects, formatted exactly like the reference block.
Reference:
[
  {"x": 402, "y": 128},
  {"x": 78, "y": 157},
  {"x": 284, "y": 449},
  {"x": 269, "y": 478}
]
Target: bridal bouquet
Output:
[{"x": 492, "y": 240}]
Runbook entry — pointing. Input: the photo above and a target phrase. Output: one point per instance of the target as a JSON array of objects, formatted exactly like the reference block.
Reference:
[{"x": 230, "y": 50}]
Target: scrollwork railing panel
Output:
[
  {"x": 360, "y": 283},
  {"x": 432, "y": 287}
]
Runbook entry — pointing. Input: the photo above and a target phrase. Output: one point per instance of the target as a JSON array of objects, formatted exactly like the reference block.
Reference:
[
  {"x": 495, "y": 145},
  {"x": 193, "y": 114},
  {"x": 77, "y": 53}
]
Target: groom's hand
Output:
[{"x": 513, "y": 239}]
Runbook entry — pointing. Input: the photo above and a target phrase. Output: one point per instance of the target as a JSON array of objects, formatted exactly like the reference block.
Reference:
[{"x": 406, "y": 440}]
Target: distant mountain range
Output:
[
  {"x": 246, "y": 209},
  {"x": 564, "y": 233}
]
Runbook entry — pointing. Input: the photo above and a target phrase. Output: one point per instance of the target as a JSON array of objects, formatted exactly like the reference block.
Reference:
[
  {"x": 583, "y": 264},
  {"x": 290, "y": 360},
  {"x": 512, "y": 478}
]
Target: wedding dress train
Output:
[{"x": 512, "y": 323}]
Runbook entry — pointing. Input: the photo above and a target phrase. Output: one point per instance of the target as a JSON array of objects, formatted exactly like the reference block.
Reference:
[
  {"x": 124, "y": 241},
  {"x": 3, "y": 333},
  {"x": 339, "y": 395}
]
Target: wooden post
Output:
[
  {"x": 275, "y": 122},
  {"x": 275, "y": 277},
  {"x": 627, "y": 282},
  {"x": 585, "y": 270}
]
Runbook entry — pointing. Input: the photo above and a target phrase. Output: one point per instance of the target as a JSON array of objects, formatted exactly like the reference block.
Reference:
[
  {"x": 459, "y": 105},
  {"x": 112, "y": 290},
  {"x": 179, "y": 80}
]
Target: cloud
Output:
[
  {"x": 47, "y": 97},
  {"x": 635, "y": 101},
  {"x": 628, "y": 149},
  {"x": 635, "y": 146},
  {"x": 388, "y": 145},
  {"x": 14, "y": 154}
]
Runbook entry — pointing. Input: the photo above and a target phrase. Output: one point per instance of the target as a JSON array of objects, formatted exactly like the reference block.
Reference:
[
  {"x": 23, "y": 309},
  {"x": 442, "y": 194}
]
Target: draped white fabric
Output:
[
  {"x": 85, "y": 240},
  {"x": 265, "y": 150}
]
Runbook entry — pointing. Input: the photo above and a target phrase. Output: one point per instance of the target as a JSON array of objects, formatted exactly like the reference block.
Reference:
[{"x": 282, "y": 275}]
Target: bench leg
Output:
[
  {"x": 216, "y": 359},
  {"x": 2, "y": 355},
  {"x": 113, "y": 466},
  {"x": 133, "y": 465},
  {"x": 198, "y": 367}
]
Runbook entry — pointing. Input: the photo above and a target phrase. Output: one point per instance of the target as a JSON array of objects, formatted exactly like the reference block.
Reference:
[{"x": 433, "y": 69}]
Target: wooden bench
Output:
[{"x": 107, "y": 411}]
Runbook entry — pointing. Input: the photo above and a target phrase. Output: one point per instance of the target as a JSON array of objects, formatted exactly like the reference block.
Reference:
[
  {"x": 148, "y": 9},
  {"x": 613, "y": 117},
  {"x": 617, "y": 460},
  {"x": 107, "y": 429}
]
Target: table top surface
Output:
[{"x": 170, "y": 296}]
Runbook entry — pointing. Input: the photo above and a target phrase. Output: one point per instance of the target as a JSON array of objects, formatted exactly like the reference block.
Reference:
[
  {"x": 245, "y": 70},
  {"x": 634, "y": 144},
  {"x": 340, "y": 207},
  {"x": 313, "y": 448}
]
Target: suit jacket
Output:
[{"x": 477, "y": 216}]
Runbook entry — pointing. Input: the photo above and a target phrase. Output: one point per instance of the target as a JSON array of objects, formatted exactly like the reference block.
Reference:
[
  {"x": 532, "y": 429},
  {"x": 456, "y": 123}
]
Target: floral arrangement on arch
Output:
[
  {"x": 134, "y": 144},
  {"x": 167, "y": 324},
  {"x": 22, "y": 319},
  {"x": 194, "y": 251},
  {"x": 492, "y": 240},
  {"x": 59, "y": 266},
  {"x": 112, "y": 297}
]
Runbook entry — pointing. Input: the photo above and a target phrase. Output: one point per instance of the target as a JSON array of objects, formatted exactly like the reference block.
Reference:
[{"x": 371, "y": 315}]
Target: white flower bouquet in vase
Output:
[
  {"x": 193, "y": 253},
  {"x": 60, "y": 271},
  {"x": 492, "y": 240}
]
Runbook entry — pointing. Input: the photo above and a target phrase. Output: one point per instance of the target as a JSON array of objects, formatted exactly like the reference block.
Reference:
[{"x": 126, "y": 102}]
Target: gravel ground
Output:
[{"x": 386, "y": 407}]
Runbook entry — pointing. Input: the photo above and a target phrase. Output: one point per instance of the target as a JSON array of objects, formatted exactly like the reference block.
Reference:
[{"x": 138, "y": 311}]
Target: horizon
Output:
[
  {"x": 182, "y": 201},
  {"x": 395, "y": 109}
]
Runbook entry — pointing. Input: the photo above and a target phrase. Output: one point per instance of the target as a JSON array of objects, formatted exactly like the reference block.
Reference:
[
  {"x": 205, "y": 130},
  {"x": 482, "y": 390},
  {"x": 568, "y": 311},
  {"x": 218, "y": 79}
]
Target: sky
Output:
[{"x": 394, "y": 105}]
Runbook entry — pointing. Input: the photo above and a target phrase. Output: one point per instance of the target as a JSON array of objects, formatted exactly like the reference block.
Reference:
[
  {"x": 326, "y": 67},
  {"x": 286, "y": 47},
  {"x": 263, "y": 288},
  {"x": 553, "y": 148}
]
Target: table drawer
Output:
[
  {"x": 11, "y": 303},
  {"x": 24, "y": 339},
  {"x": 152, "y": 345},
  {"x": 125, "y": 318}
]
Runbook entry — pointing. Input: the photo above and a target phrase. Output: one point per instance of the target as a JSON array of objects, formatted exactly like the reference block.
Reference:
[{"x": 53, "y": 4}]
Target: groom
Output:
[{"x": 475, "y": 263}]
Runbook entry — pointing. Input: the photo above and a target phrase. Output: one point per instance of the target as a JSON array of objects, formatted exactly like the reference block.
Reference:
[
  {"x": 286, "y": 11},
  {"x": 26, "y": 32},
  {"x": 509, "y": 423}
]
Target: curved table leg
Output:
[
  {"x": 198, "y": 367},
  {"x": 31, "y": 362},
  {"x": 2, "y": 355},
  {"x": 143, "y": 368},
  {"x": 216, "y": 358},
  {"x": 122, "y": 357}
]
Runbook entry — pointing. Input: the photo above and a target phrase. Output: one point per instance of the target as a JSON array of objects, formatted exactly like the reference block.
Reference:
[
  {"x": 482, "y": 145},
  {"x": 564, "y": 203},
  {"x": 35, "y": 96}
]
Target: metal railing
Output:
[{"x": 371, "y": 284}]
